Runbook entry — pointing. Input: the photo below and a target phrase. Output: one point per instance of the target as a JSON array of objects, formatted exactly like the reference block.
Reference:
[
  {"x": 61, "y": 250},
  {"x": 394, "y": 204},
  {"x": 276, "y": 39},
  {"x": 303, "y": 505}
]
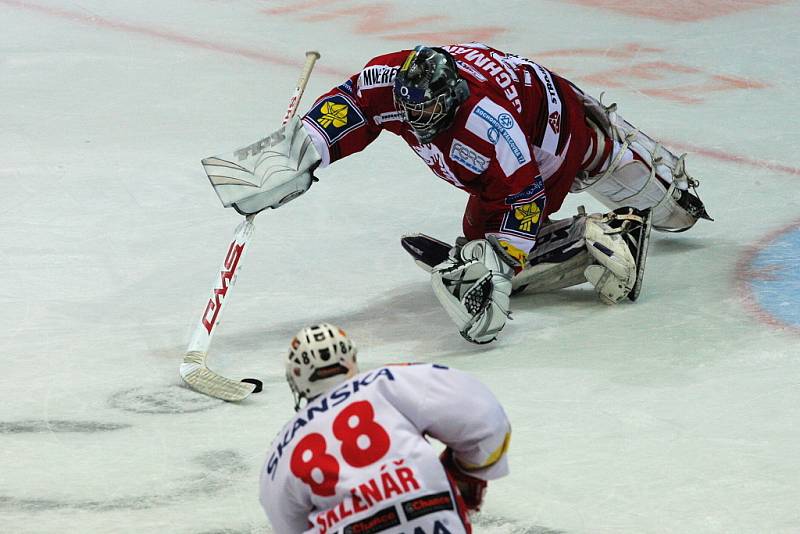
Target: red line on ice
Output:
[
  {"x": 166, "y": 35},
  {"x": 734, "y": 158}
]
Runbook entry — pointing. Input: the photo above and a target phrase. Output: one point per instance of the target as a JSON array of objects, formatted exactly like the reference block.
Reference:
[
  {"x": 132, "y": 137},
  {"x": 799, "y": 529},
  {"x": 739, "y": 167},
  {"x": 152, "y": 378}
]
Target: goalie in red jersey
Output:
[{"x": 517, "y": 138}]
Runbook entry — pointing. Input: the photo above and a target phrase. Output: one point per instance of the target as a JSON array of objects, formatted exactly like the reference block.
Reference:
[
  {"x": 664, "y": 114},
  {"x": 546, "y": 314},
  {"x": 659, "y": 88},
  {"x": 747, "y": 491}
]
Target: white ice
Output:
[{"x": 675, "y": 414}]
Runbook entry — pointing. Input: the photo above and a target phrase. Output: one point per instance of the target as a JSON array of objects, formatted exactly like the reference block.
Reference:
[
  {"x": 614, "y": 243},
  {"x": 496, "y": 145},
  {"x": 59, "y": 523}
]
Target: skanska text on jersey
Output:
[{"x": 332, "y": 400}]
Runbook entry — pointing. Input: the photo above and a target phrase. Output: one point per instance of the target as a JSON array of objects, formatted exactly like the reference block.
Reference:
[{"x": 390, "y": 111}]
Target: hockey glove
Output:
[
  {"x": 268, "y": 173},
  {"x": 474, "y": 286},
  {"x": 472, "y": 489}
]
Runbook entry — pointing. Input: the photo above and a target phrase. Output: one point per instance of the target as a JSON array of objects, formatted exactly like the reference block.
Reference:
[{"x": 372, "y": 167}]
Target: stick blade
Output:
[{"x": 194, "y": 372}]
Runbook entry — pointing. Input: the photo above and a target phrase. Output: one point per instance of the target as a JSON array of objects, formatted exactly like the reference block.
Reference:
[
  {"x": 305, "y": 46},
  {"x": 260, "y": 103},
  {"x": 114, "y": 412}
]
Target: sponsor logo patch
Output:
[
  {"x": 377, "y": 76},
  {"x": 428, "y": 504},
  {"x": 524, "y": 220},
  {"x": 499, "y": 127},
  {"x": 468, "y": 157},
  {"x": 388, "y": 117},
  {"x": 377, "y": 522},
  {"x": 555, "y": 121},
  {"x": 531, "y": 192},
  {"x": 334, "y": 117}
]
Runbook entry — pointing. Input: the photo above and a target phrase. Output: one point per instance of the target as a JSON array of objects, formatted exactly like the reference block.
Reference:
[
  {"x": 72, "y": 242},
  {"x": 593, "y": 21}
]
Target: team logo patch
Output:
[
  {"x": 334, "y": 117},
  {"x": 335, "y": 114},
  {"x": 524, "y": 220},
  {"x": 531, "y": 192},
  {"x": 468, "y": 157},
  {"x": 555, "y": 121}
]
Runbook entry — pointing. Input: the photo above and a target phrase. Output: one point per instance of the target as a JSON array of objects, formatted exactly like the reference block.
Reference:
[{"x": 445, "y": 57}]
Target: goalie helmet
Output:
[
  {"x": 428, "y": 91},
  {"x": 320, "y": 357}
]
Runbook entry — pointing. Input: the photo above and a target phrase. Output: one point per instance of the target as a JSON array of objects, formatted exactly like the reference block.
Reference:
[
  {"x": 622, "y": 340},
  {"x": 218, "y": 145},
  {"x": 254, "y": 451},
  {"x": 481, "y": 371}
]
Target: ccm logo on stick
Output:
[{"x": 226, "y": 275}]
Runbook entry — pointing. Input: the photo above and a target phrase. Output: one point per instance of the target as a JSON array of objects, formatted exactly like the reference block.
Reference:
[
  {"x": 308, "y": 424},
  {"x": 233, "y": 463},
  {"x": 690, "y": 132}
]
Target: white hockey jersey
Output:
[{"x": 356, "y": 461}]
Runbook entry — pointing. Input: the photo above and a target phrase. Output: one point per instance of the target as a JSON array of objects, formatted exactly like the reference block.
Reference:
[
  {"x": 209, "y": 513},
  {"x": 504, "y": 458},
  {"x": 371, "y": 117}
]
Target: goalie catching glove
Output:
[
  {"x": 474, "y": 285},
  {"x": 267, "y": 174}
]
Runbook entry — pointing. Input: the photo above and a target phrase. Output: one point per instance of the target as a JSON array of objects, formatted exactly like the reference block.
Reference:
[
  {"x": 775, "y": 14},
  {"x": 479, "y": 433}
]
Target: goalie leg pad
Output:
[
  {"x": 618, "y": 243},
  {"x": 640, "y": 173},
  {"x": 474, "y": 286},
  {"x": 558, "y": 260}
]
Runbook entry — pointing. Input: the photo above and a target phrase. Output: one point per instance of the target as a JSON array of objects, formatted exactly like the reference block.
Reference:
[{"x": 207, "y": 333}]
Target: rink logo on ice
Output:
[
  {"x": 334, "y": 117},
  {"x": 468, "y": 157},
  {"x": 770, "y": 279}
]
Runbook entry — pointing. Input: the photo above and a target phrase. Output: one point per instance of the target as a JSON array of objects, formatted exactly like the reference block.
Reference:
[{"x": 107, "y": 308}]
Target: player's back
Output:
[{"x": 355, "y": 460}]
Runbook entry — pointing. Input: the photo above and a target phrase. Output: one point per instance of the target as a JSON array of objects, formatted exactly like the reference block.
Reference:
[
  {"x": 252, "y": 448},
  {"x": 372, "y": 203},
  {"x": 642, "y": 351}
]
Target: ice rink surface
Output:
[{"x": 675, "y": 414}]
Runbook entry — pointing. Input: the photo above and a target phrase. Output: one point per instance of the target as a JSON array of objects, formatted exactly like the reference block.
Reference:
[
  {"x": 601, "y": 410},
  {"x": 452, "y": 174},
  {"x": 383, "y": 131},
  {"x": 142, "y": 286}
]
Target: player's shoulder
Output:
[{"x": 380, "y": 71}]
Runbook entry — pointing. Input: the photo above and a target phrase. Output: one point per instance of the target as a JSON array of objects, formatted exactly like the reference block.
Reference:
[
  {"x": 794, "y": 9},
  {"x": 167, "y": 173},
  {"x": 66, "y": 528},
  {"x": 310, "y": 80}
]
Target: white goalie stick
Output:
[{"x": 194, "y": 370}]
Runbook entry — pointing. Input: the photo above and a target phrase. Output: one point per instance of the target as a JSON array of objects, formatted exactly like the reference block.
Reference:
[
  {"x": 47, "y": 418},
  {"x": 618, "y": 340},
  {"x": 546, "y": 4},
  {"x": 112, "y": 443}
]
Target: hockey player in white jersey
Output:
[{"x": 355, "y": 458}]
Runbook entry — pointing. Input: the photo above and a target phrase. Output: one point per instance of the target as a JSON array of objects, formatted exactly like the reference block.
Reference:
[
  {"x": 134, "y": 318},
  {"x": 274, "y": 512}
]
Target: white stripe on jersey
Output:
[
  {"x": 553, "y": 126},
  {"x": 492, "y": 122}
]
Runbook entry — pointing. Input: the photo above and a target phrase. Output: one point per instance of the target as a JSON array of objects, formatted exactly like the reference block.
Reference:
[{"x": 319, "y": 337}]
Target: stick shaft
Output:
[
  {"x": 193, "y": 370},
  {"x": 311, "y": 57}
]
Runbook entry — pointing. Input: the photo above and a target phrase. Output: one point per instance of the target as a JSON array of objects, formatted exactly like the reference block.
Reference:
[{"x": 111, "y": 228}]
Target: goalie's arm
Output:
[{"x": 277, "y": 169}]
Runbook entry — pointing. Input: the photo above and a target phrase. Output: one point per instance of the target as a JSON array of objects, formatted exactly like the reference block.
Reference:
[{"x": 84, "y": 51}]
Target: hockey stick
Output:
[{"x": 194, "y": 370}]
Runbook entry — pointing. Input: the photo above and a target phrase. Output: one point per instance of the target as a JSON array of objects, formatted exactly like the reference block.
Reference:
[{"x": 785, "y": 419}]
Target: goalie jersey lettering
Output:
[
  {"x": 518, "y": 126},
  {"x": 356, "y": 460}
]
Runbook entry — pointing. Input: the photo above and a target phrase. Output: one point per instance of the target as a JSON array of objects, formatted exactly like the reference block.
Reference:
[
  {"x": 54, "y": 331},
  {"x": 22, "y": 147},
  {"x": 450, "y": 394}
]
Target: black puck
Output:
[{"x": 256, "y": 382}]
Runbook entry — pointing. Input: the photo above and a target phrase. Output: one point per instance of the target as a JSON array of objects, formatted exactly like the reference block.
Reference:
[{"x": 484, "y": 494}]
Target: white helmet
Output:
[{"x": 320, "y": 357}]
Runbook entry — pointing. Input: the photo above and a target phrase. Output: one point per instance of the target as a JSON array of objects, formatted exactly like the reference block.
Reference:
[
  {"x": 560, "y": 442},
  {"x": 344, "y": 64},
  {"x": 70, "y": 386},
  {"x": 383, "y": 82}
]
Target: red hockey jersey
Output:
[{"x": 515, "y": 145}]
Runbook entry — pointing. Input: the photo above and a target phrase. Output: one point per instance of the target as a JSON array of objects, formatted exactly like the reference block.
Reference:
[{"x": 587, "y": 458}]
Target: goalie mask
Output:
[
  {"x": 320, "y": 357},
  {"x": 428, "y": 91}
]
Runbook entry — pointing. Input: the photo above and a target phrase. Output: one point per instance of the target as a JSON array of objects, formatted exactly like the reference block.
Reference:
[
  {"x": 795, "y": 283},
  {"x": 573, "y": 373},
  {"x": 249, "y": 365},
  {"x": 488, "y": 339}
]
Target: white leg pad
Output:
[
  {"x": 657, "y": 182},
  {"x": 615, "y": 274}
]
